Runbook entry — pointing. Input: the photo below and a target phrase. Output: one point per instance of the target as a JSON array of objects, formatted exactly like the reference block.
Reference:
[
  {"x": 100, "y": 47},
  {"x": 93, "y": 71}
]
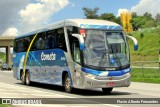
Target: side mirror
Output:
[
  {"x": 135, "y": 42},
  {"x": 81, "y": 40}
]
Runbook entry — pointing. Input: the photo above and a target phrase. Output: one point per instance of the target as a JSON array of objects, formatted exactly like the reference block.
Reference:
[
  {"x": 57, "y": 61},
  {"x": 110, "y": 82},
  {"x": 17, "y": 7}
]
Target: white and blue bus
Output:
[{"x": 74, "y": 53}]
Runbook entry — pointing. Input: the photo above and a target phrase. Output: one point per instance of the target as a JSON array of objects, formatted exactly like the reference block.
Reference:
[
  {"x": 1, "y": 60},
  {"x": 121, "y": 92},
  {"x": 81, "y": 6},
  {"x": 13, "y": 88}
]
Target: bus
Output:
[{"x": 74, "y": 53}]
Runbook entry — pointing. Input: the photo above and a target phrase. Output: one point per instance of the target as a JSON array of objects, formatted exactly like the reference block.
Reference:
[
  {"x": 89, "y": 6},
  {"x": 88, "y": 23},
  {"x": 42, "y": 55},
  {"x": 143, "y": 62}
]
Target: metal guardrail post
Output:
[
  {"x": 159, "y": 59},
  {"x": 142, "y": 70}
]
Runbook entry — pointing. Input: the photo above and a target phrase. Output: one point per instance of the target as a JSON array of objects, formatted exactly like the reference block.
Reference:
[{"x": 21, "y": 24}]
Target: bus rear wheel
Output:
[
  {"x": 107, "y": 90},
  {"x": 67, "y": 84},
  {"x": 28, "y": 81}
]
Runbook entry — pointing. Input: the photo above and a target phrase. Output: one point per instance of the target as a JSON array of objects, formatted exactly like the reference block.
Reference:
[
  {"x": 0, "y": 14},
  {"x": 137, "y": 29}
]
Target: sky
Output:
[{"x": 18, "y": 17}]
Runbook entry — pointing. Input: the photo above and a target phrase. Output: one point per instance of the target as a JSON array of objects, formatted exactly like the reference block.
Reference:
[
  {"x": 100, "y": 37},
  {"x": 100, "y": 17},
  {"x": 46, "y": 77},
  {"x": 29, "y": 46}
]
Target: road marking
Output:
[{"x": 46, "y": 93}]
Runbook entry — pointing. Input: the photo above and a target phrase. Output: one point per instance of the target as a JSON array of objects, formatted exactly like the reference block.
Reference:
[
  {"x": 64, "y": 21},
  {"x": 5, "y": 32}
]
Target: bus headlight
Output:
[
  {"x": 90, "y": 76},
  {"x": 127, "y": 75}
]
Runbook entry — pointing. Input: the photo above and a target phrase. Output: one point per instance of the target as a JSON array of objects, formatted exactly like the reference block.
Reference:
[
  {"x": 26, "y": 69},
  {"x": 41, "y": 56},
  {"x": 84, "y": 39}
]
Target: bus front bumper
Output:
[{"x": 106, "y": 82}]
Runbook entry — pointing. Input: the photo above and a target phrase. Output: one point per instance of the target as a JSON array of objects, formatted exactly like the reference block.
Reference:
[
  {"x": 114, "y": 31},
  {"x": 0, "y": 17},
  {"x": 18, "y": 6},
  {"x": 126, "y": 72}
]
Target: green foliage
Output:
[
  {"x": 107, "y": 16},
  {"x": 5, "y": 105},
  {"x": 141, "y": 35},
  {"x": 134, "y": 14},
  {"x": 148, "y": 16},
  {"x": 138, "y": 22},
  {"x": 145, "y": 75},
  {"x": 149, "y": 44},
  {"x": 90, "y": 13},
  {"x": 157, "y": 19},
  {"x": 2, "y": 56},
  {"x": 145, "y": 21}
]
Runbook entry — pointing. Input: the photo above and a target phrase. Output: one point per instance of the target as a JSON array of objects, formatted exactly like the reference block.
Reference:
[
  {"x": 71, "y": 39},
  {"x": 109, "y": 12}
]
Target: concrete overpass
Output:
[{"x": 7, "y": 42}]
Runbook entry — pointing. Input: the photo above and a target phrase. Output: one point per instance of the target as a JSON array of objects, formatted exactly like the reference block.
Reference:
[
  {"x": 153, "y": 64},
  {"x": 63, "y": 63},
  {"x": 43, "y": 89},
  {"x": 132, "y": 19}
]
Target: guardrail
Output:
[
  {"x": 145, "y": 64},
  {"x": 147, "y": 69}
]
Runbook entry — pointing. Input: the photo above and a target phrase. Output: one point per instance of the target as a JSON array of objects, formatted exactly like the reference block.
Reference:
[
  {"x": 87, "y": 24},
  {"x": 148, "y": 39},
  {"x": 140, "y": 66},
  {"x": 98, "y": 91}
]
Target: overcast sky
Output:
[{"x": 20, "y": 16}]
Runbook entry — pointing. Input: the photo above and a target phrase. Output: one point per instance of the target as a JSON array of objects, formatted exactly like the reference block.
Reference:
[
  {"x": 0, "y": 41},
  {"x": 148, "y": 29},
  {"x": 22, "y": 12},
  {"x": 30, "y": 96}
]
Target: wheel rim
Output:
[
  {"x": 27, "y": 79},
  {"x": 67, "y": 84}
]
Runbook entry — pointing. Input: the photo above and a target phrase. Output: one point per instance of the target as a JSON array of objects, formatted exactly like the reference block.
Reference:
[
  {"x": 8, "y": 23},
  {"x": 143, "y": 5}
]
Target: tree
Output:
[
  {"x": 149, "y": 20},
  {"x": 91, "y": 13},
  {"x": 157, "y": 19},
  {"x": 118, "y": 20},
  {"x": 137, "y": 22},
  {"x": 108, "y": 16},
  {"x": 134, "y": 14},
  {"x": 148, "y": 16}
]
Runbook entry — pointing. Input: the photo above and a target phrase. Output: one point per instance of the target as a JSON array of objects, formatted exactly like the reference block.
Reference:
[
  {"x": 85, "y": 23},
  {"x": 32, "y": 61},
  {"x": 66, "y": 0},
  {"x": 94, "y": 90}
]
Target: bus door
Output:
[{"x": 76, "y": 56}]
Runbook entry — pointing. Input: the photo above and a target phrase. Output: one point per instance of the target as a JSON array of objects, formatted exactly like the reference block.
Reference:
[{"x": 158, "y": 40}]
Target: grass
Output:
[
  {"x": 5, "y": 105},
  {"x": 149, "y": 44},
  {"x": 145, "y": 75},
  {"x": 2, "y": 57}
]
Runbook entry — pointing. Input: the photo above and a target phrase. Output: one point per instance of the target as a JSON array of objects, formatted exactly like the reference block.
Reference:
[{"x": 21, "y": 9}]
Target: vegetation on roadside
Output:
[
  {"x": 145, "y": 75},
  {"x": 149, "y": 44},
  {"x": 2, "y": 57},
  {"x": 5, "y": 105}
]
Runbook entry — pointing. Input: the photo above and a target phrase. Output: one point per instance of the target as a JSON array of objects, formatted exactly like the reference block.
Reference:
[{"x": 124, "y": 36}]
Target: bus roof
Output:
[
  {"x": 78, "y": 22},
  {"x": 82, "y": 23}
]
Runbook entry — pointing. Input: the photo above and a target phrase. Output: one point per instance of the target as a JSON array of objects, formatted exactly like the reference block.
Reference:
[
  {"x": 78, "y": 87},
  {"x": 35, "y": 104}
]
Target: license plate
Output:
[{"x": 110, "y": 83}]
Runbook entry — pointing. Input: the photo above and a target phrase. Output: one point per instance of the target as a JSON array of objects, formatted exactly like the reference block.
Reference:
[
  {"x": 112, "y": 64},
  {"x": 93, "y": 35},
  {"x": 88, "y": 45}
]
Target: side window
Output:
[
  {"x": 22, "y": 44},
  {"x": 39, "y": 42},
  {"x": 71, "y": 30},
  {"x": 16, "y": 45},
  {"x": 75, "y": 51},
  {"x": 61, "y": 39},
  {"x": 50, "y": 39},
  {"x": 26, "y": 43}
]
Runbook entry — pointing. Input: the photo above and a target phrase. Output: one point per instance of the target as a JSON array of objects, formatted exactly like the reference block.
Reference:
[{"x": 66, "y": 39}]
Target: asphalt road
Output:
[{"x": 12, "y": 88}]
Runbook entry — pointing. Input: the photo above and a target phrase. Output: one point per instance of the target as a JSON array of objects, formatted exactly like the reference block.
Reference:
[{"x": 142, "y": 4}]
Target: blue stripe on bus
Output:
[
  {"x": 110, "y": 73},
  {"x": 104, "y": 27}
]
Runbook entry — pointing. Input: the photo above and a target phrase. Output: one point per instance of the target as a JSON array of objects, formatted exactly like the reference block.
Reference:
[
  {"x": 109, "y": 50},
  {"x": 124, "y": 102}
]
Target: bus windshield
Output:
[{"x": 106, "y": 49}]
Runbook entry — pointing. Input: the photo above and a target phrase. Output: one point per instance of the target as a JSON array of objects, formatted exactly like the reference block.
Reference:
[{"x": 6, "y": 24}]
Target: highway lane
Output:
[{"x": 16, "y": 89}]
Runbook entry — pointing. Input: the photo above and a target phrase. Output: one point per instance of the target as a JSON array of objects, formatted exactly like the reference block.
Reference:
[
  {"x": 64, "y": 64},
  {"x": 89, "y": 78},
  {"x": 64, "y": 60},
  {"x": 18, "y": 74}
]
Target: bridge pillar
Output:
[{"x": 8, "y": 55}]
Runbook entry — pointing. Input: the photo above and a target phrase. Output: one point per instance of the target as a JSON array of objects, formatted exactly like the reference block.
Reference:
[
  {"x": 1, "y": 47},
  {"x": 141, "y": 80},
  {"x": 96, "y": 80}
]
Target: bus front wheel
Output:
[
  {"x": 67, "y": 84},
  {"x": 23, "y": 79},
  {"x": 107, "y": 90}
]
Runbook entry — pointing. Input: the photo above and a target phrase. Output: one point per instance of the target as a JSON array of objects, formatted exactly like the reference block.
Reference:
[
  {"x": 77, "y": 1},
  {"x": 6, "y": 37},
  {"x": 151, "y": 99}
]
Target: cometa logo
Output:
[{"x": 51, "y": 56}]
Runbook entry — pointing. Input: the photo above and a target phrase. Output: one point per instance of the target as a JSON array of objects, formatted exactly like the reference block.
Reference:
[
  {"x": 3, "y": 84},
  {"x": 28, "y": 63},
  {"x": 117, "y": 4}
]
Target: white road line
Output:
[{"x": 111, "y": 105}]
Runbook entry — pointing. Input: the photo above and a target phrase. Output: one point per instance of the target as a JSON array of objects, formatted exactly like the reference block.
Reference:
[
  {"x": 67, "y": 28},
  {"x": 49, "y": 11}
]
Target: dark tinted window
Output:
[
  {"x": 61, "y": 43},
  {"x": 39, "y": 42},
  {"x": 22, "y": 44},
  {"x": 45, "y": 40},
  {"x": 72, "y": 30},
  {"x": 50, "y": 39}
]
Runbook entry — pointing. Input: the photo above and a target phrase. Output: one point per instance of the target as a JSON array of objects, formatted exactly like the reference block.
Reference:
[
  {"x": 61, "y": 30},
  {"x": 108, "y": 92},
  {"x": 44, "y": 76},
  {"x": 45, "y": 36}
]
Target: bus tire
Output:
[
  {"x": 67, "y": 84},
  {"x": 107, "y": 90},
  {"x": 28, "y": 81},
  {"x": 23, "y": 78}
]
